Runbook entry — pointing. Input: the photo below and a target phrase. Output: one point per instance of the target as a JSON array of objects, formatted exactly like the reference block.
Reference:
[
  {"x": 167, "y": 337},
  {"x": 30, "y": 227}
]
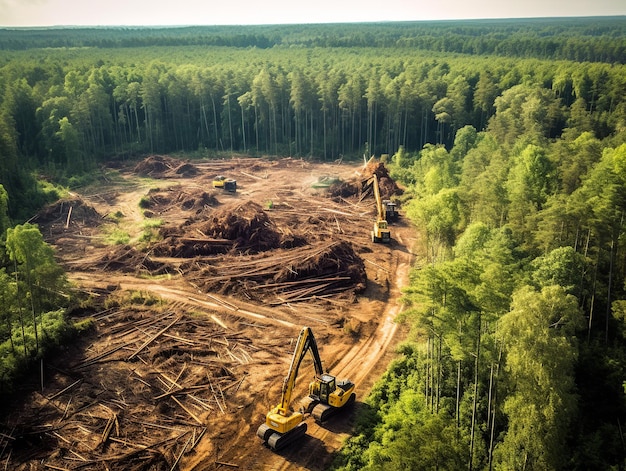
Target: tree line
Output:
[
  {"x": 66, "y": 110},
  {"x": 34, "y": 298},
  {"x": 599, "y": 39}
]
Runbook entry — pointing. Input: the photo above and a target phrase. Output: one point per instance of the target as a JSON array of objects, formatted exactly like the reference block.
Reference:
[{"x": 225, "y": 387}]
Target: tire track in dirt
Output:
[{"x": 216, "y": 304}]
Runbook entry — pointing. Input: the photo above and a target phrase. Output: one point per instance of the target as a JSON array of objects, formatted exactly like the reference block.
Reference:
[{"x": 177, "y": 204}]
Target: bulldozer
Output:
[{"x": 327, "y": 396}]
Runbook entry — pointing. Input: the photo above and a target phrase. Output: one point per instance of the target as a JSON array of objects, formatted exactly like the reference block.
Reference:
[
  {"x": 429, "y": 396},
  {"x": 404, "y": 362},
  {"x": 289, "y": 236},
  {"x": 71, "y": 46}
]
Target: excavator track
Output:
[
  {"x": 322, "y": 412},
  {"x": 264, "y": 432},
  {"x": 277, "y": 441}
]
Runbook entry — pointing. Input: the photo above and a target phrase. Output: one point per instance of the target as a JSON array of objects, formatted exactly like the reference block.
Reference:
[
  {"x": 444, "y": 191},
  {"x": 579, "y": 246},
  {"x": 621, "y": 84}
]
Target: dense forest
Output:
[
  {"x": 510, "y": 138},
  {"x": 581, "y": 39}
]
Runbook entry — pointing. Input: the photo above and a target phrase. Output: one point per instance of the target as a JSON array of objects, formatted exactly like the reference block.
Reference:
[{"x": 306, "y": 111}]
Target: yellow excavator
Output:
[
  {"x": 228, "y": 184},
  {"x": 381, "y": 232},
  {"x": 327, "y": 396}
]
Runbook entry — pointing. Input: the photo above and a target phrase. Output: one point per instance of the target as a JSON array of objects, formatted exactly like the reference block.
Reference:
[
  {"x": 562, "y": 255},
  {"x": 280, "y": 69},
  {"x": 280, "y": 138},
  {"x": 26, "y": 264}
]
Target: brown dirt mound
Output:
[
  {"x": 186, "y": 170},
  {"x": 65, "y": 213},
  {"x": 386, "y": 184},
  {"x": 158, "y": 166},
  {"x": 244, "y": 229},
  {"x": 344, "y": 190},
  {"x": 154, "y": 164},
  {"x": 199, "y": 201},
  {"x": 247, "y": 225}
]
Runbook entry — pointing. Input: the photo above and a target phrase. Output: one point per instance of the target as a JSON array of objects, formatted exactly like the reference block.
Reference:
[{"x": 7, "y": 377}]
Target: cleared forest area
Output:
[{"x": 194, "y": 332}]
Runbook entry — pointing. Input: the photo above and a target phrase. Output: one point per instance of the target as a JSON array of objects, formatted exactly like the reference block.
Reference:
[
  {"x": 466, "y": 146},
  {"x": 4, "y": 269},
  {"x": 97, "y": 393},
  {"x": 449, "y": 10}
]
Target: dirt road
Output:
[
  {"x": 195, "y": 329},
  {"x": 363, "y": 363}
]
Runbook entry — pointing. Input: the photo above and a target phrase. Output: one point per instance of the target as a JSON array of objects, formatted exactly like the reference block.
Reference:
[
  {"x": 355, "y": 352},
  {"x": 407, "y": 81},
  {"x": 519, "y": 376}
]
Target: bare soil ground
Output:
[{"x": 198, "y": 313}]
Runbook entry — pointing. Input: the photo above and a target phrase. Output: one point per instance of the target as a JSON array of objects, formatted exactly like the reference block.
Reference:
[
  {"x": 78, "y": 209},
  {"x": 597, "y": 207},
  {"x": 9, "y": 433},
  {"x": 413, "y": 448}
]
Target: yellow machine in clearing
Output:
[
  {"x": 381, "y": 232},
  {"x": 326, "y": 397},
  {"x": 225, "y": 183}
]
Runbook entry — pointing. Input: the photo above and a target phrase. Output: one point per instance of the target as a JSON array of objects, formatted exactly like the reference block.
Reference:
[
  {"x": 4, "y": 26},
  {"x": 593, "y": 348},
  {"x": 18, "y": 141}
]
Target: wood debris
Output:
[
  {"x": 152, "y": 380},
  {"x": 97, "y": 421}
]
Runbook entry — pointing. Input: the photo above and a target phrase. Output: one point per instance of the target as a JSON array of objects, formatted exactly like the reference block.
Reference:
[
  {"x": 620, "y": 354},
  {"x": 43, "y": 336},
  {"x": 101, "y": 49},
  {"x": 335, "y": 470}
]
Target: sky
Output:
[{"x": 243, "y": 12}]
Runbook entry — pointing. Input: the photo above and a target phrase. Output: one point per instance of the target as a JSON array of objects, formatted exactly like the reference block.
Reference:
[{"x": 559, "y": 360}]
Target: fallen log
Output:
[
  {"x": 191, "y": 414},
  {"x": 153, "y": 338},
  {"x": 107, "y": 430}
]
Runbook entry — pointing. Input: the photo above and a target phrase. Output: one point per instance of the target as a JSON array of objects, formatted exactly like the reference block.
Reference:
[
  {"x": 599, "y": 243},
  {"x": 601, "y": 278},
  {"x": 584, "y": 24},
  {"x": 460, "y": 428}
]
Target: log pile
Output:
[
  {"x": 241, "y": 251},
  {"x": 318, "y": 271},
  {"x": 388, "y": 187},
  {"x": 160, "y": 376},
  {"x": 175, "y": 198},
  {"x": 69, "y": 214},
  {"x": 244, "y": 229},
  {"x": 165, "y": 375},
  {"x": 124, "y": 259},
  {"x": 247, "y": 225}
]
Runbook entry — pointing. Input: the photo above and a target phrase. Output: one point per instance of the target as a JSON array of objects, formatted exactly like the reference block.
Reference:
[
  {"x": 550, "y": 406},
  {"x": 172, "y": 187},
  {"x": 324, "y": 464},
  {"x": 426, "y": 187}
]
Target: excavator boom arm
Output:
[
  {"x": 306, "y": 341},
  {"x": 379, "y": 203}
]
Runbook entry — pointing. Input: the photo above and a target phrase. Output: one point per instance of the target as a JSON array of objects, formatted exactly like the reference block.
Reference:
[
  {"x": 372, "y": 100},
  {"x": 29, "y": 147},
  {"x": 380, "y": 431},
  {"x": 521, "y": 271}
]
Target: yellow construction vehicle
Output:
[
  {"x": 283, "y": 426},
  {"x": 381, "y": 232},
  {"x": 391, "y": 211},
  {"x": 225, "y": 183}
]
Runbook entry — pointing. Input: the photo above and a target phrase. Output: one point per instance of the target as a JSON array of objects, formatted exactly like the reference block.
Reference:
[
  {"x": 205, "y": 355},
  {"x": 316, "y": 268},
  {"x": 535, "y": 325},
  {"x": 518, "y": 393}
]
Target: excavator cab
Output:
[
  {"x": 327, "y": 396},
  {"x": 391, "y": 211},
  {"x": 321, "y": 388},
  {"x": 327, "y": 385},
  {"x": 225, "y": 183}
]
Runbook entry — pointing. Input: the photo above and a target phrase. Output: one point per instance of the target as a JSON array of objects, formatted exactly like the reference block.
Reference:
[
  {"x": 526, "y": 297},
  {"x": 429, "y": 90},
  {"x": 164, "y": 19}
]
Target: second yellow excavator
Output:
[
  {"x": 381, "y": 231},
  {"x": 228, "y": 184},
  {"x": 326, "y": 396}
]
